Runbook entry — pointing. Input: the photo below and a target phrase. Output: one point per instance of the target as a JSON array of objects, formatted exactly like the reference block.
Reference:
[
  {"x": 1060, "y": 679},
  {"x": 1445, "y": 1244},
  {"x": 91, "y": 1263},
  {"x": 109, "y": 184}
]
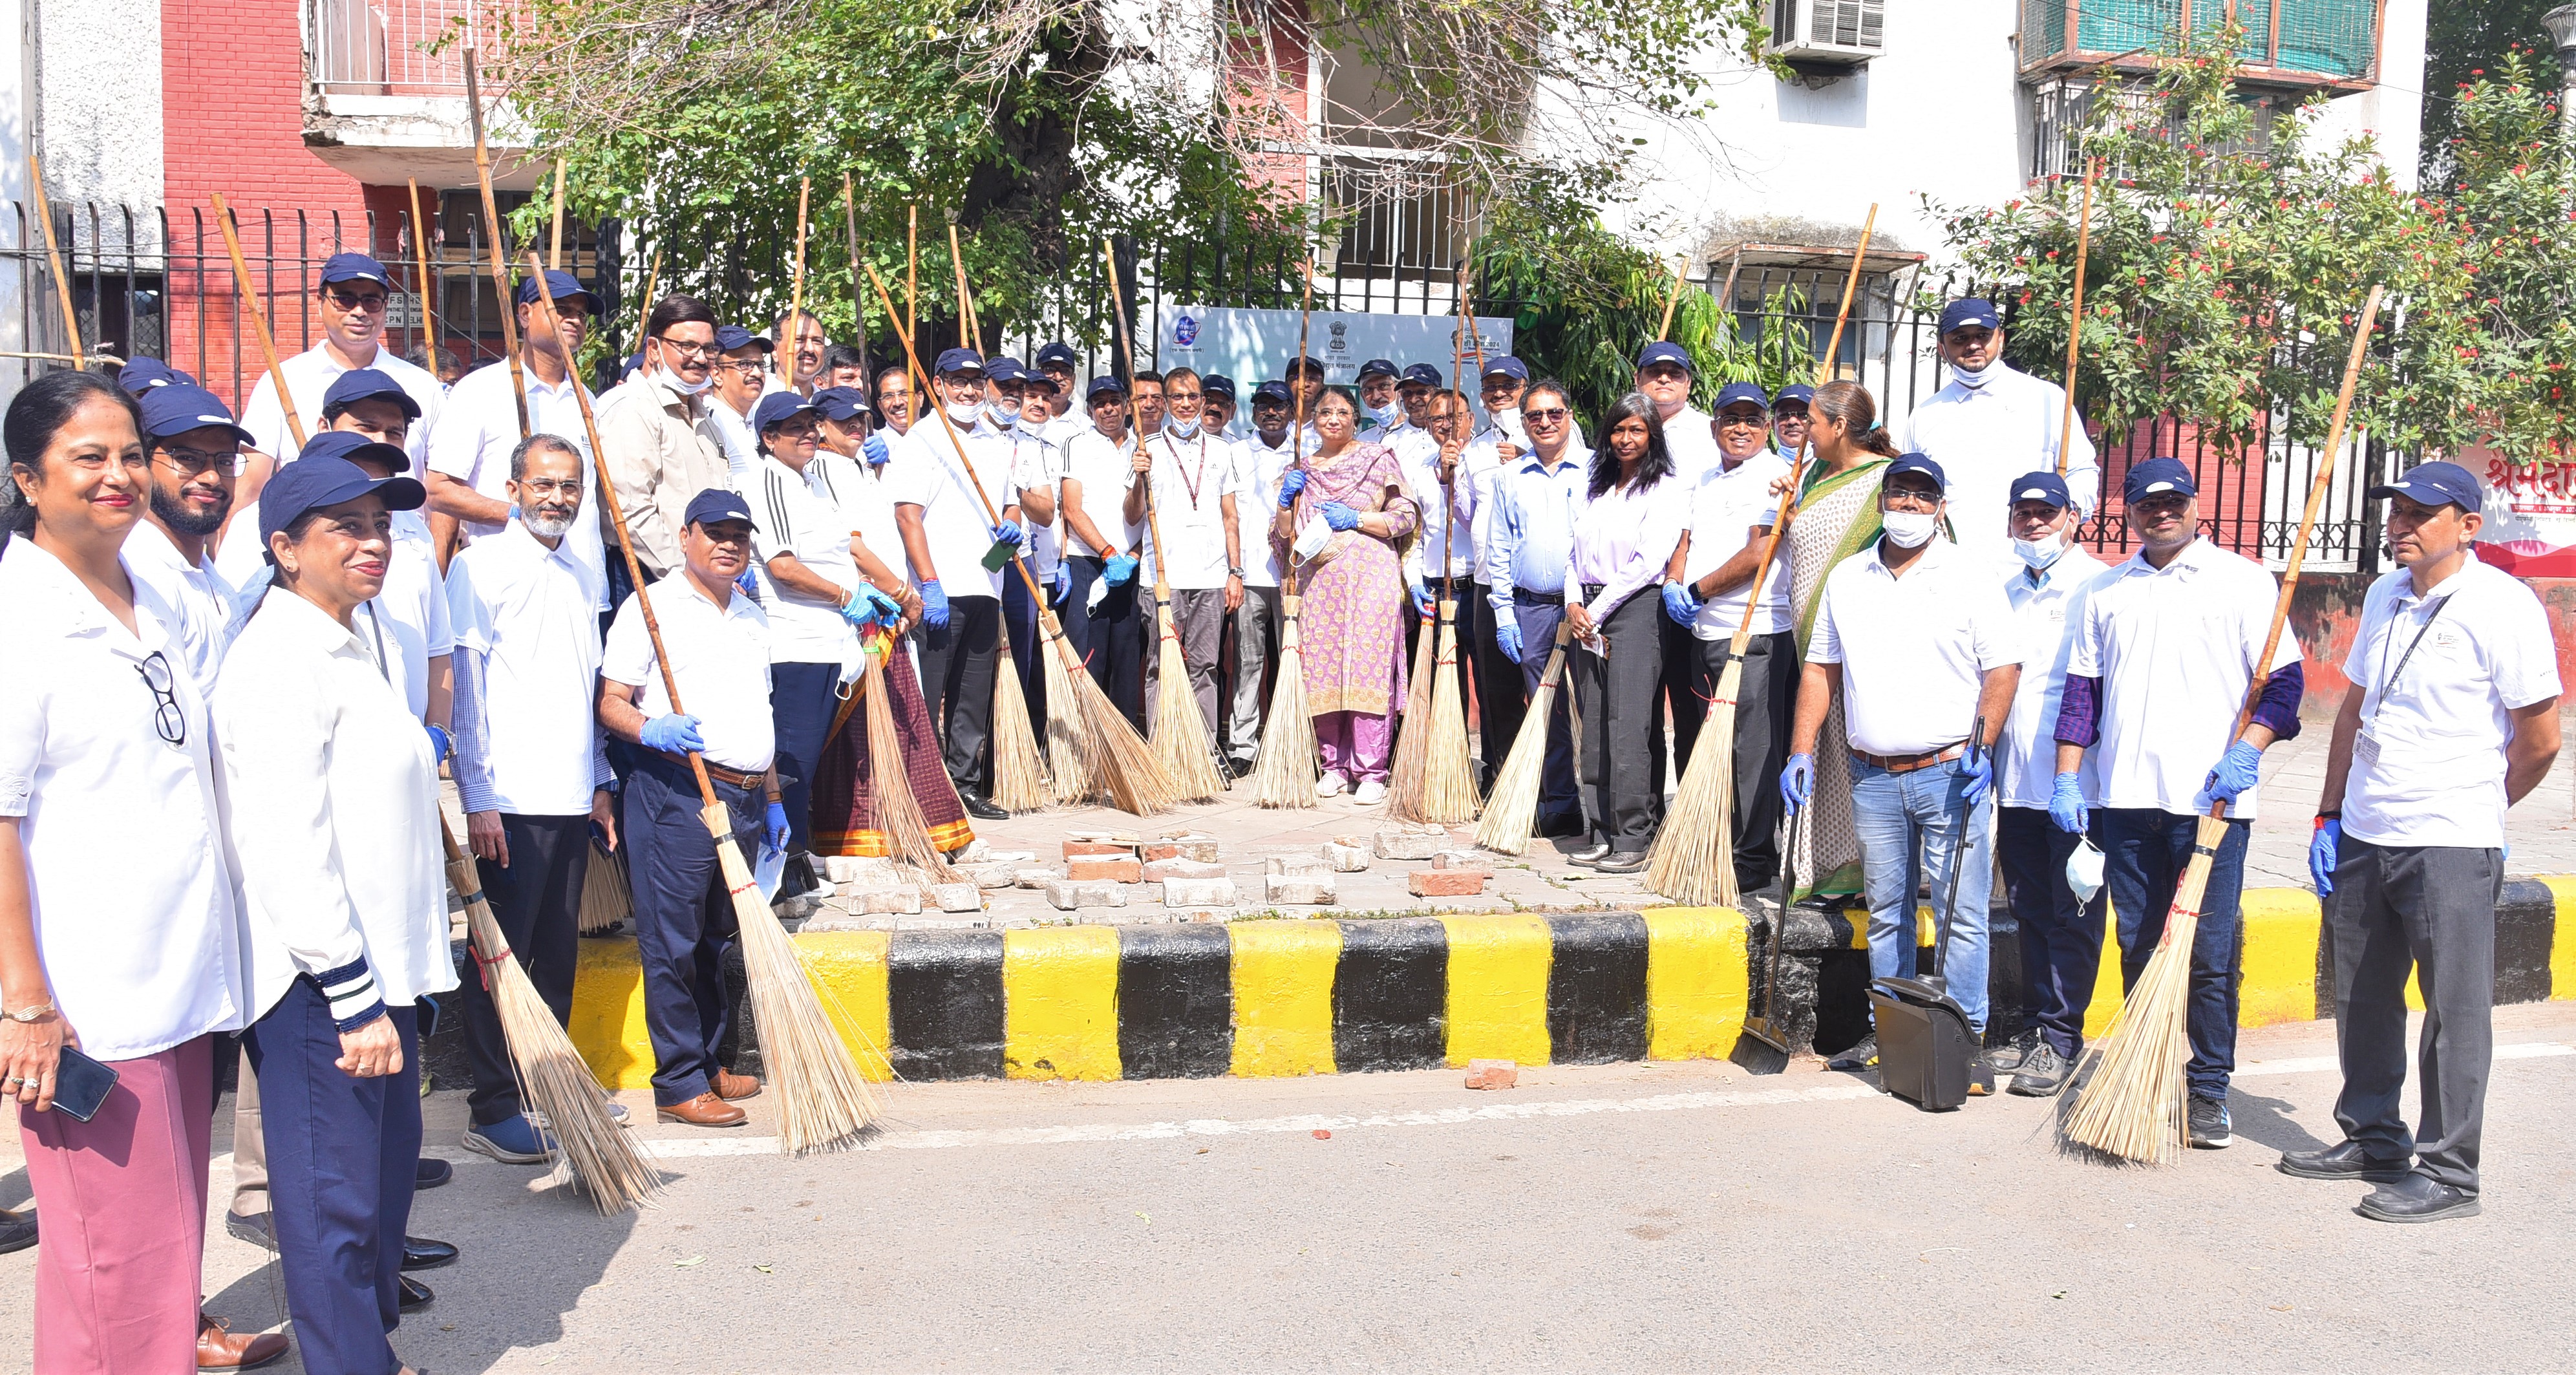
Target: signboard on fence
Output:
[
  {"x": 1252, "y": 346},
  {"x": 2531, "y": 532}
]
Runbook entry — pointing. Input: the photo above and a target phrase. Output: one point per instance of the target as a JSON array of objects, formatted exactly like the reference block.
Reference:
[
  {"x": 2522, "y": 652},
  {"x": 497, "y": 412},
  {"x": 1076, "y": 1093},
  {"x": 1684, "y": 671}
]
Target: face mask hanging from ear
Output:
[
  {"x": 962, "y": 412},
  {"x": 1182, "y": 429},
  {"x": 1910, "y": 529},
  {"x": 2038, "y": 554},
  {"x": 684, "y": 386}
]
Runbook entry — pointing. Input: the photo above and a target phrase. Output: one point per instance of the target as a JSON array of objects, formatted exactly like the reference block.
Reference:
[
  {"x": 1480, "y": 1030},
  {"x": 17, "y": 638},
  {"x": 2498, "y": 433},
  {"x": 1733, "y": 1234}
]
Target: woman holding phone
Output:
[{"x": 121, "y": 949}]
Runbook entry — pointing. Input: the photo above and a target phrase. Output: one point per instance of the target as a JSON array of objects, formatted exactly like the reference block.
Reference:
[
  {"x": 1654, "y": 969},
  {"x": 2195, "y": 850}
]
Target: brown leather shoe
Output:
[
  {"x": 219, "y": 1349},
  {"x": 705, "y": 1110},
  {"x": 730, "y": 1086}
]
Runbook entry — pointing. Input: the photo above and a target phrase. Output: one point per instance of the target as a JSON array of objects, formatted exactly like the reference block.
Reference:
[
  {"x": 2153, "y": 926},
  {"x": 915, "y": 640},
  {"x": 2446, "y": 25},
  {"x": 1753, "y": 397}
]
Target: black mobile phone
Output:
[
  {"x": 425, "y": 1018},
  {"x": 81, "y": 1084}
]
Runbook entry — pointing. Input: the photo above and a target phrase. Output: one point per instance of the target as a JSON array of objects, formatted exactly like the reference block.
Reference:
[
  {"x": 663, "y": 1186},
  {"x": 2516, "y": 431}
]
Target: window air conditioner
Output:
[{"x": 1828, "y": 33}]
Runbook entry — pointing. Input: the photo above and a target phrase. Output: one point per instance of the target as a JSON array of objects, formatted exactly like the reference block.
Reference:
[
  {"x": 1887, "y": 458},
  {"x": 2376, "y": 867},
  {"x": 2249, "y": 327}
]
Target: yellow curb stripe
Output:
[
  {"x": 1498, "y": 968},
  {"x": 1283, "y": 996},
  {"x": 849, "y": 974},
  {"x": 608, "y": 1015},
  {"x": 2281, "y": 928},
  {"x": 1060, "y": 1003},
  {"x": 1696, "y": 982},
  {"x": 2562, "y": 940}
]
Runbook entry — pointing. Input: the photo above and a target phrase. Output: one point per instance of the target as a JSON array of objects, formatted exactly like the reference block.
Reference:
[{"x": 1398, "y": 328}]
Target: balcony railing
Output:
[
  {"x": 2297, "y": 43},
  {"x": 384, "y": 47}
]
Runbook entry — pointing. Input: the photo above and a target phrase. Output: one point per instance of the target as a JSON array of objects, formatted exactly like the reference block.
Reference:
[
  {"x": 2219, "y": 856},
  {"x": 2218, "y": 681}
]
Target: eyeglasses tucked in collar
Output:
[{"x": 170, "y": 723}]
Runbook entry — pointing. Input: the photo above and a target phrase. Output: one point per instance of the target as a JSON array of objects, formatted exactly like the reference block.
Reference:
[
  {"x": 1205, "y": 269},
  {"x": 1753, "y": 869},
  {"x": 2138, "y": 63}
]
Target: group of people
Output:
[{"x": 256, "y": 642}]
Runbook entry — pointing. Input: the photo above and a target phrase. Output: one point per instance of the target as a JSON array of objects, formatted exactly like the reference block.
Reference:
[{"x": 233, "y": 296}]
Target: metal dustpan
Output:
[{"x": 1926, "y": 1053}]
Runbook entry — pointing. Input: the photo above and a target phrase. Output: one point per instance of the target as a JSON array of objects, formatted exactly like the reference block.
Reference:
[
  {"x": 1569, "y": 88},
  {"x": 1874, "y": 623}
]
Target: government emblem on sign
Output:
[
  {"x": 1339, "y": 343},
  {"x": 1187, "y": 331}
]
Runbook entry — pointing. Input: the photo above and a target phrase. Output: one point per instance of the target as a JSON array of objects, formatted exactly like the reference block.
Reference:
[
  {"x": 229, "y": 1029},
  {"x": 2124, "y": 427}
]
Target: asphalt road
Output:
[{"x": 1628, "y": 1217}]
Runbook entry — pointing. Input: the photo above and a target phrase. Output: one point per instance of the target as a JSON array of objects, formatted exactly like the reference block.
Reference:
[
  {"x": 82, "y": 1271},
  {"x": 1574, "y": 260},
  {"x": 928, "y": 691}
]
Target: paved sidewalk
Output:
[{"x": 2541, "y": 833}]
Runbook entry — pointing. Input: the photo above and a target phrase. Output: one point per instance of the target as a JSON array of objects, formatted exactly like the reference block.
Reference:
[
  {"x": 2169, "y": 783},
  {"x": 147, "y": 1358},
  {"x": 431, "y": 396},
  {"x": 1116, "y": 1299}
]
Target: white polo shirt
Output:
[
  {"x": 1480, "y": 468},
  {"x": 868, "y": 504},
  {"x": 526, "y": 609},
  {"x": 1191, "y": 478},
  {"x": 1914, "y": 649},
  {"x": 151, "y": 554},
  {"x": 1983, "y": 438},
  {"x": 1259, "y": 469},
  {"x": 1729, "y": 503},
  {"x": 719, "y": 654},
  {"x": 1443, "y": 514},
  {"x": 1105, "y": 471},
  {"x": 2045, "y": 610},
  {"x": 408, "y": 618},
  {"x": 309, "y": 375},
  {"x": 1688, "y": 436},
  {"x": 800, "y": 514},
  {"x": 130, "y": 886},
  {"x": 956, "y": 523},
  {"x": 2428, "y": 767},
  {"x": 732, "y": 433},
  {"x": 479, "y": 427},
  {"x": 2175, "y": 648},
  {"x": 1033, "y": 469}
]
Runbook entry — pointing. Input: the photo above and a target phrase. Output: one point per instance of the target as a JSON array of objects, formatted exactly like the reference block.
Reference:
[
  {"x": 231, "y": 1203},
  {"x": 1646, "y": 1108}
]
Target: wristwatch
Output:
[{"x": 1234, "y": 572}]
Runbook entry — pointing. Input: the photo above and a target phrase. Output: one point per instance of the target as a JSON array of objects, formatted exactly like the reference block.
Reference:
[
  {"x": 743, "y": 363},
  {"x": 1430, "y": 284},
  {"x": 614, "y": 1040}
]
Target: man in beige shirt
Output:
[{"x": 658, "y": 446}]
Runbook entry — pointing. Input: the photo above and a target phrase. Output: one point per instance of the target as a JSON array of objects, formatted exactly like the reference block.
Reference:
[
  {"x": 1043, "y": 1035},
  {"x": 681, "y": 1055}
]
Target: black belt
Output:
[
  {"x": 1523, "y": 594},
  {"x": 1593, "y": 589},
  {"x": 732, "y": 777}
]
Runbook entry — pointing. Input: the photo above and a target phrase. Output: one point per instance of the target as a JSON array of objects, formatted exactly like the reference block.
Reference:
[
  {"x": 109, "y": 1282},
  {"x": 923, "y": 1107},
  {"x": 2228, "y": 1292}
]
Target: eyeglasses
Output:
[
  {"x": 687, "y": 350},
  {"x": 1743, "y": 422},
  {"x": 370, "y": 302},
  {"x": 195, "y": 462},
  {"x": 1553, "y": 416},
  {"x": 167, "y": 720},
  {"x": 543, "y": 487}
]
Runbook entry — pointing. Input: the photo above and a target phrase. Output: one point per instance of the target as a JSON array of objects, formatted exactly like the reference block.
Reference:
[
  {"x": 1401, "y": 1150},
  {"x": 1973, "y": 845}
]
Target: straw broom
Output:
[
  {"x": 559, "y": 1087},
  {"x": 890, "y": 797},
  {"x": 1283, "y": 772},
  {"x": 824, "y": 1103},
  {"x": 1115, "y": 756},
  {"x": 1447, "y": 792},
  {"x": 2133, "y": 1107},
  {"x": 606, "y": 899},
  {"x": 1512, "y": 812},
  {"x": 1413, "y": 734},
  {"x": 1693, "y": 862}
]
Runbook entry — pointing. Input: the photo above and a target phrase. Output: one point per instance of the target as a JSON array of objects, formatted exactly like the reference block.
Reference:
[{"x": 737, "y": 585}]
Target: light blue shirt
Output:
[{"x": 1533, "y": 525}]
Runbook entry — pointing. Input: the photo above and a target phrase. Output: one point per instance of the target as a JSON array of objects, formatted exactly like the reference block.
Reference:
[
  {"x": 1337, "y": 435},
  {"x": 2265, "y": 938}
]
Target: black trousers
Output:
[
  {"x": 1674, "y": 697},
  {"x": 957, "y": 665},
  {"x": 1110, "y": 638},
  {"x": 683, "y": 919},
  {"x": 1560, "y": 808},
  {"x": 2061, "y": 935},
  {"x": 1500, "y": 704},
  {"x": 1765, "y": 699},
  {"x": 1623, "y": 723},
  {"x": 536, "y": 900}
]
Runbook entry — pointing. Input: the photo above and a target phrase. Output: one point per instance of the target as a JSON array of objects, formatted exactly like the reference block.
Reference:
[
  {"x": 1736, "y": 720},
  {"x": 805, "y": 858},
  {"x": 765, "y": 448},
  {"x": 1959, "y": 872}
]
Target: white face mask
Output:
[
  {"x": 1182, "y": 429},
  {"x": 684, "y": 386},
  {"x": 2038, "y": 554},
  {"x": 1387, "y": 414},
  {"x": 962, "y": 412},
  {"x": 1973, "y": 380},
  {"x": 1004, "y": 415},
  {"x": 1910, "y": 529},
  {"x": 1508, "y": 420},
  {"x": 1031, "y": 425},
  {"x": 2084, "y": 870}
]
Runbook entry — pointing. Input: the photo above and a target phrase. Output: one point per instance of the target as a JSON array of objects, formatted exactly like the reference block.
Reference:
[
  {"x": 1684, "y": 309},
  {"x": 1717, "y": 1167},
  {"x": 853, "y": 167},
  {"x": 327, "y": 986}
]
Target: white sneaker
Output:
[
  {"x": 1370, "y": 793},
  {"x": 1330, "y": 785}
]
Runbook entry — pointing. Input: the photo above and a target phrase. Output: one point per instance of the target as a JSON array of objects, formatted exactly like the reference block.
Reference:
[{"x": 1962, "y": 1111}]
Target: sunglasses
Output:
[
  {"x": 370, "y": 302},
  {"x": 1551, "y": 416}
]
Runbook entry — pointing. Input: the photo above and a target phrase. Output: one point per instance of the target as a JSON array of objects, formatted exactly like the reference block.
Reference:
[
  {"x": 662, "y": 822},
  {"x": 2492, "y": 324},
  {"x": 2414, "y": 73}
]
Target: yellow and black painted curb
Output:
[{"x": 1324, "y": 996}]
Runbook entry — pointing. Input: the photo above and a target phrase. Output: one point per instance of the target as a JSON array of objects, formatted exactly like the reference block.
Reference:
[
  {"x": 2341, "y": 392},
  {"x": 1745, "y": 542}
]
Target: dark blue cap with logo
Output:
[
  {"x": 1217, "y": 384},
  {"x": 1665, "y": 352},
  {"x": 319, "y": 480},
  {"x": 2158, "y": 475},
  {"x": 777, "y": 408},
  {"x": 1799, "y": 392},
  {"x": 1104, "y": 385},
  {"x": 141, "y": 374},
  {"x": 1505, "y": 365},
  {"x": 563, "y": 286},
  {"x": 1314, "y": 368},
  {"x": 349, "y": 445},
  {"x": 715, "y": 504},
  {"x": 1005, "y": 369},
  {"x": 1419, "y": 375},
  {"x": 174, "y": 408},
  {"x": 1272, "y": 391},
  {"x": 1060, "y": 355},
  {"x": 1375, "y": 367},
  {"x": 731, "y": 337},
  {"x": 959, "y": 360},
  {"x": 355, "y": 267},
  {"x": 2435, "y": 484},
  {"x": 1970, "y": 310},
  {"x": 842, "y": 403},
  {"x": 1741, "y": 393},
  {"x": 1038, "y": 381},
  {"x": 2042, "y": 486},
  {"x": 366, "y": 384},
  {"x": 1917, "y": 463}
]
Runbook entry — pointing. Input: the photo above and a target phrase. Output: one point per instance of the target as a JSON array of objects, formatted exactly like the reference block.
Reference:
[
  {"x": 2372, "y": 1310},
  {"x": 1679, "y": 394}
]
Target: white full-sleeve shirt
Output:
[
  {"x": 1622, "y": 540},
  {"x": 309, "y": 376},
  {"x": 1984, "y": 437}
]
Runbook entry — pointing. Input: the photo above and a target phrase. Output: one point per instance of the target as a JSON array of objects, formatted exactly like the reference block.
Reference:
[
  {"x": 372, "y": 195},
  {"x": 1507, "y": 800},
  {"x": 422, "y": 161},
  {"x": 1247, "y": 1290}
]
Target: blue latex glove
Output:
[
  {"x": 1421, "y": 595},
  {"x": 2322, "y": 848},
  {"x": 2066, "y": 804},
  {"x": 438, "y": 744},
  {"x": 1977, "y": 770},
  {"x": 1063, "y": 581},
  {"x": 874, "y": 446},
  {"x": 1290, "y": 484},
  {"x": 1338, "y": 516},
  {"x": 1679, "y": 604},
  {"x": 1008, "y": 533},
  {"x": 868, "y": 604},
  {"x": 934, "y": 605},
  {"x": 1798, "y": 781},
  {"x": 749, "y": 583},
  {"x": 2240, "y": 769},
  {"x": 1118, "y": 568},
  {"x": 1508, "y": 635},
  {"x": 774, "y": 828},
  {"x": 675, "y": 733}
]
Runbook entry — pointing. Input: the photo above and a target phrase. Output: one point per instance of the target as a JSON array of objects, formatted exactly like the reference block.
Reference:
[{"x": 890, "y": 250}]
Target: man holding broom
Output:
[
  {"x": 1261, "y": 462},
  {"x": 1529, "y": 544},
  {"x": 1200, "y": 556},
  {"x": 2453, "y": 718},
  {"x": 2159, "y": 671},
  {"x": 477, "y": 432}
]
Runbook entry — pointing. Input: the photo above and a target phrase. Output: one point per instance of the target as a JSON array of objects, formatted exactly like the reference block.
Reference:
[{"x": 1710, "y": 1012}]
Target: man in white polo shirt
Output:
[
  {"x": 1102, "y": 497},
  {"x": 2452, "y": 718},
  {"x": 1194, "y": 511},
  {"x": 350, "y": 302},
  {"x": 1262, "y": 460},
  {"x": 1989, "y": 422},
  {"x": 1919, "y": 640},
  {"x": 531, "y": 773},
  {"x": 2158, "y": 674}
]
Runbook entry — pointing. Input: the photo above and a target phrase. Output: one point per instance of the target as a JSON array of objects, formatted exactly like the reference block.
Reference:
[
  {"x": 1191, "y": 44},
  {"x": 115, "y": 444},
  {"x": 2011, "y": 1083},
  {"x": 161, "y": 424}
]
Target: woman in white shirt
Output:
[
  {"x": 340, "y": 872},
  {"x": 1628, "y": 523},
  {"x": 103, "y": 734}
]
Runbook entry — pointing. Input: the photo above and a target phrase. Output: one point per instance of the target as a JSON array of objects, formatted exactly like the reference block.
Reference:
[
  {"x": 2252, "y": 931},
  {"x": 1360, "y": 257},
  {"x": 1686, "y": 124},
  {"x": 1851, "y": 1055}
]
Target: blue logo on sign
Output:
[{"x": 1187, "y": 331}]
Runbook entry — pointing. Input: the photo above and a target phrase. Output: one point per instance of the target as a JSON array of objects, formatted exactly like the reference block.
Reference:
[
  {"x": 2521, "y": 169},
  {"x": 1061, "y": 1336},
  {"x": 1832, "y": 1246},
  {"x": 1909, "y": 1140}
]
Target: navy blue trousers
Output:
[
  {"x": 1020, "y": 623},
  {"x": 342, "y": 1155},
  {"x": 1112, "y": 640},
  {"x": 802, "y": 698},
  {"x": 2060, "y": 936},
  {"x": 2144, "y": 854},
  {"x": 1560, "y": 809},
  {"x": 683, "y": 919}
]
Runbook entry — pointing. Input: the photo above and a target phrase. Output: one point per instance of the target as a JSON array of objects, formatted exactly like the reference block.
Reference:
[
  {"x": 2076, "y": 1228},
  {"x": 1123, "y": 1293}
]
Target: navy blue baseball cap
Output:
[
  {"x": 1665, "y": 352},
  {"x": 366, "y": 384},
  {"x": 1273, "y": 391},
  {"x": 1799, "y": 392},
  {"x": 563, "y": 286},
  {"x": 1103, "y": 385},
  {"x": 2042, "y": 486},
  {"x": 1505, "y": 365},
  {"x": 2158, "y": 475},
  {"x": 1005, "y": 369},
  {"x": 348, "y": 445},
  {"x": 1217, "y": 384},
  {"x": 1745, "y": 393},
  {"x": 140, "y": 374},
  {"x": 1419, "y": 375},
  {"x": 842, "y": 403},
  {"x": 1305, "y": 364},
  {"x": 715, "y": 504},
  {"x": 1060, "y": 355},
  {"x": 1917, "y": 463},
  {"x": 731, "y": 337},
  {"x": 1375, "y": 367},
  {"x": 176, "y": 408},
  {"x": 1039, "y": 381},
  {"x": 958, "y": 360},
  {"x": 316, "y": 481},
  {"x": 777, "y": 408},
  {"x": 355, "y": 267},
  {"x": 1970, "y": 310},
  {"x": 2434, "y": 484}
]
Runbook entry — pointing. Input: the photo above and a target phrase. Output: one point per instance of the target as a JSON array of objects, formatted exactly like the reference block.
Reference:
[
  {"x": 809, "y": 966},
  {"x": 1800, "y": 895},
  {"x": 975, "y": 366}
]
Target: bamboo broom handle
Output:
[
  {"x": 912, "y": 302},
  {"x": 554, "y": 250},
  {"x": 420, "y": 269},
  {"x": 644, "y": 312},
  {"x": 1673, "y": 297},
  {"x": 2075, "y": 320},
  {"x": 258, "y": 318},
  {"x": 858, "y": 305},
  {"x": 967, "y": 333},
  {"x": 796, "y": 287},
  {"x": 1831, "y": 363},
  {"x": 54, "y": 260},
  {"x": 500, "y": 273},
  {"x": 1297, "y": 412},
  {"x": 1126, "y": 340}
]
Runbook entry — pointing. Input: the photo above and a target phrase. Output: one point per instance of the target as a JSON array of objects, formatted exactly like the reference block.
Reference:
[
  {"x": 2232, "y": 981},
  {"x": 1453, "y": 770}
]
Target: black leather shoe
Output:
[
  {"x": 253, "y": 1229},
  {"x": 431, "y": 1173},
  {"x": 980, "y": 809},
  {"x": 415, "y": 1295},
  {"x": 1623, "y": 862},
  {"x": 2345, "y": 1161},
  {"x": 2414, "y": 1197},
  {"x": 1591, "y": 856},
  {"x": 421, "y": 1253},
  {"x": 17, "y": 1231}
]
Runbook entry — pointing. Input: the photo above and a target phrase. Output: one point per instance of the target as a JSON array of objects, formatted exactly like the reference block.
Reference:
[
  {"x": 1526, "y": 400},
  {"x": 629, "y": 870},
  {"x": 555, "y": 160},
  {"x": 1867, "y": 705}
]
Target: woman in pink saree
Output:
[{"x": 1343, "y": 511}]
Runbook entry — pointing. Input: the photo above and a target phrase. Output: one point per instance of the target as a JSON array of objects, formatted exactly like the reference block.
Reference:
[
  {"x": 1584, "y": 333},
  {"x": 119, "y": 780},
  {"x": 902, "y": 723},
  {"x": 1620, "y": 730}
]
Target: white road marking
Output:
[{"x": 2535, "y": 1050}]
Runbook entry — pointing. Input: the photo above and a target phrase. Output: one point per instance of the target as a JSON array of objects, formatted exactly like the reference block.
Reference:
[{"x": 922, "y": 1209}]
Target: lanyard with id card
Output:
[{"x": 2366, "y": 744}]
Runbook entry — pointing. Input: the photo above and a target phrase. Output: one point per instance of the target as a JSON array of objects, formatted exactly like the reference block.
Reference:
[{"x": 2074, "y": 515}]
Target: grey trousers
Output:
[
  {"x": 1256, "y": 636},
  {"x": 1198, "y": 618},
  {"x": 1623, "y": 723},
  {"x": 2429, "y": 910},
  {"x": 250, "y": 1148}
]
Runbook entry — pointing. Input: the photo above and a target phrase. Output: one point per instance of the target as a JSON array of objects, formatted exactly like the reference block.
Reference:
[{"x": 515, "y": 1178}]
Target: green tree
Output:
[
  {"x": 2463, "y": 41},
  {"x": 2511, "y": 212}
]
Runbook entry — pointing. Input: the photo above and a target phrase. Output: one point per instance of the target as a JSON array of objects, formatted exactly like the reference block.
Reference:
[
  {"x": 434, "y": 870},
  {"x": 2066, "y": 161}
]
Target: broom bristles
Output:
[
  {"x": 897, "y": 811},
  {"x": 1071, "y": 768},
  {"x": 1181, "y": 742},
  {"x": 1448, "y": 792},
  {"x": 1694, "y": 856},
  {"x": 2133, "y": 1107},
  {"x": 1511, "y": 814},
  {"x": 824, "y": 1103},
  {"x": 1125, "y": 768},
  {"x": 1283, "y": 773},
  {"x": 1019, "y": 772},
  {"x": 605, "y": 898},
  {"x": 1413, "y": 733}
]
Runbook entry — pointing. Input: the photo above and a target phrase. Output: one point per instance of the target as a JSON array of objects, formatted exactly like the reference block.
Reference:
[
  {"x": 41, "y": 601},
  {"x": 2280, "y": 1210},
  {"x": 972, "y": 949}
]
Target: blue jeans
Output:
[
  {"x": 2144, "y": 854},
  {"x": 1908, "y": 818}
]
